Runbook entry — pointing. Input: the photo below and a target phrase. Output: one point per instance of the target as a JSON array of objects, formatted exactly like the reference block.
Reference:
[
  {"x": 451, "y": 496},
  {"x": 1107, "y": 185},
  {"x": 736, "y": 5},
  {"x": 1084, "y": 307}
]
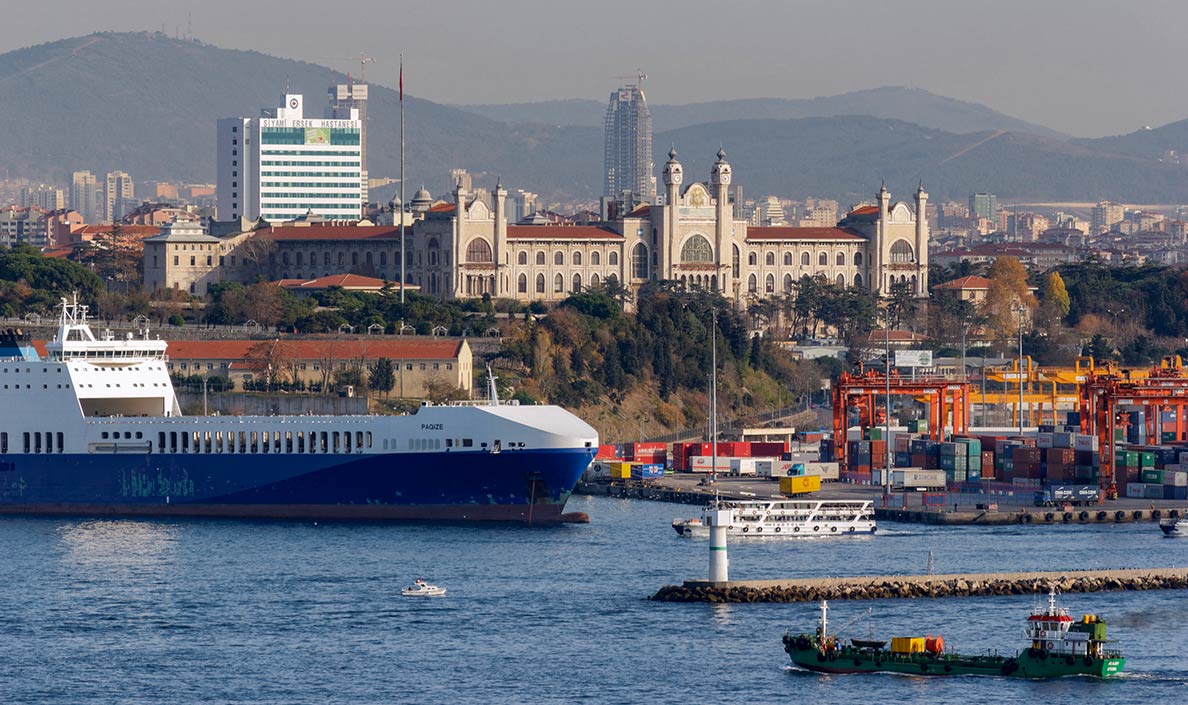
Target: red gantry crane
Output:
[
  {"x": 1108, "y": 399},
  {"x": 948, "y": 403}
]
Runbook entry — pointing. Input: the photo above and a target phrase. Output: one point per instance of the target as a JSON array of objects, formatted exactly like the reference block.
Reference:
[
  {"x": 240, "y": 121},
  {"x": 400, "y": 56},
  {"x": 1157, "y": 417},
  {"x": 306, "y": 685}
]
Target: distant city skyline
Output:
[{"x": 1090, "y": 69}]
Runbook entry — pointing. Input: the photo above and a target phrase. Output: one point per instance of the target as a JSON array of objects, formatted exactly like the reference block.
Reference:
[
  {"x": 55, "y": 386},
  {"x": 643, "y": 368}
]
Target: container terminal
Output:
[{"x": 1120, "y": 455}]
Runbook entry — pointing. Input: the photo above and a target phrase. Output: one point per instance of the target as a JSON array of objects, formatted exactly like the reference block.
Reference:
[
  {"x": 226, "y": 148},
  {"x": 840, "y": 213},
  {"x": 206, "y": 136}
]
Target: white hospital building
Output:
[{"x": 281, "y": 167}]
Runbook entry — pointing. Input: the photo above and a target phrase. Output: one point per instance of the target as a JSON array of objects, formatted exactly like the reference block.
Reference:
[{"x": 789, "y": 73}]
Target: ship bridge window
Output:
[{"x": 467, "y": 443}]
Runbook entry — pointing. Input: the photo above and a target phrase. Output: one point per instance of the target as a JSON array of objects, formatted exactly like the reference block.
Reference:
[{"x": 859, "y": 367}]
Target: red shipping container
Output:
[
  {"x": 1063, "y": 456},
  {"x": 734, "y": 449},
  {"x": 768, "y": 449},
  {"x": 1026, "y": 456},
  {"x": 987, "y": 463},
  {"x": 919, "y": 460},
  {"x": 607, "y": 452}
]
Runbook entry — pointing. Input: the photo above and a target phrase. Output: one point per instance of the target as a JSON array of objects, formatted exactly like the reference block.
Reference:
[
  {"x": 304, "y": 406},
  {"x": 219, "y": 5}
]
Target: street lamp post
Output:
[
  {"x": 887, "y": 404},
  {"x": 1019, "y": 314}
]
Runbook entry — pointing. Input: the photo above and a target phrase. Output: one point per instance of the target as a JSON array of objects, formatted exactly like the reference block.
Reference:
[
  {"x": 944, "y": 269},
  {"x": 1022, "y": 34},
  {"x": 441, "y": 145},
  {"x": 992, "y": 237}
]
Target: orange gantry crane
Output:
[
  {"x": 1107, "y": 400},
  {"x": 948, "y": 403}
]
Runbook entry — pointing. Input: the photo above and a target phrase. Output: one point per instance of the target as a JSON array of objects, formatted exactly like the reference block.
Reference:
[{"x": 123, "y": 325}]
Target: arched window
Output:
[
  {"x": 522, "y": 286},
  {"x": 341, "y": 258},
  {"x": 858, "y": 280},
  {"x": 857, "y": 259},
  {"x": 752, "y": 259},
  {"x": 577, "y": 259},
  {"x": 559, "y": 258},
  {"x": 787, "y": 259},
  {"x": 735, "y": 261},
  {"x": 841, "y": 259},
  {"x": 639, "y": 262},
  {"x": 788, "y": 284},
  {"x": 577, "y": 283},
  {"x": 540, "y": 284},
  {"x": 770, "y": 259},
  {"x": 611, "y": 278},
  {"x": 841, "y": 280},
  {"x": 522, "y": 258},
  {"x": 300, "y": 256},
  {"x": 769, "y": 286},
  {"x": 594, "y": 281},
  {"x": 354, "y": 259},
  {"x": 478, "y": 251},
  {"x": 595, "y": 259},
  {"x": 325, "y": 259},
  {"x": 613, "y": 259},
  {"x": 901, "y": 251},
  {"x": 697, "y": 249},
  {"x": 558, "y": 284},
  {"x": 752, "y": 283},
  {"x": 434, "y": 249},
  {"x": 383, "y": 259},
  {"x": 804, "y": 259},
  {"x": 540, "y": 259},
  {"x": 823, "y": 259},
  {"x": 914, "y": 284}
]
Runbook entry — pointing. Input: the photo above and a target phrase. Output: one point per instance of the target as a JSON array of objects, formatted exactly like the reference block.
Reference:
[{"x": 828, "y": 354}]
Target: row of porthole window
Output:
[{"x": 247, "y": 442}]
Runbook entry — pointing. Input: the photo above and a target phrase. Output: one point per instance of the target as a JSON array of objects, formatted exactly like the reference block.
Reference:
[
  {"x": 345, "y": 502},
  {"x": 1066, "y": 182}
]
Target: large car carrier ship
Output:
[{"x": 93, "y": 427}]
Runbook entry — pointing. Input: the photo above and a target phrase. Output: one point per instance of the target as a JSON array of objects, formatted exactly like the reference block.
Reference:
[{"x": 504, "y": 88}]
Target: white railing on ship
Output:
[{"x": 478, "y": 402}]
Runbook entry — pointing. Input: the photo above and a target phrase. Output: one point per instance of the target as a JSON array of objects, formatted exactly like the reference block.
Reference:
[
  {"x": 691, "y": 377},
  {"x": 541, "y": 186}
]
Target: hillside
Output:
[
  {"x": 849, "y": 156},
  {"x": 147, "y": 104},
  {"x": 913, "y": 105}
]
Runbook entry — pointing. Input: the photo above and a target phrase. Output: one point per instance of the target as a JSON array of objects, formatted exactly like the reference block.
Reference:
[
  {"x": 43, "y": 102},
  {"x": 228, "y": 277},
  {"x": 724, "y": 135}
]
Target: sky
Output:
[{"x": 1086, "y": 67}]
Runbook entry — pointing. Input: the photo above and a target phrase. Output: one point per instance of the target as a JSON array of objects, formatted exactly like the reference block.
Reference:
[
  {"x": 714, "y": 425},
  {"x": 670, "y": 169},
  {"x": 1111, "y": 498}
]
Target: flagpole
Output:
[{"x": 400, "y": 209}]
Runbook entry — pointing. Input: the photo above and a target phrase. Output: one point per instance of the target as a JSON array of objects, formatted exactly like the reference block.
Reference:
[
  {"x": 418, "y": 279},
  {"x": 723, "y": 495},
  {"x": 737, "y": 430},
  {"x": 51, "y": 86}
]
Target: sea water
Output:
[{"x": 212, "y": 611}]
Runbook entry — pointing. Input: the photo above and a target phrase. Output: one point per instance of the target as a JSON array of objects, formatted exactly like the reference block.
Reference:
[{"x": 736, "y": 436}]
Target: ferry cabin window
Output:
[
  {"x": 26, "y": 438},
  {"x": 61, "y": 441},
  {"x": 4, "y": 442},
  {"x": 336, "y": 445},
  {"x": 264, "y": 442},
  {"x": 300, "y": 441},
  {"x": 185, "y": 442},
  {"x": 36, "y": 442},
  {"x": 288, "y": 441},
  {"x": 325, "y": 442},
  {"x": 467, "y": 443},
  {"x": 346, "y": 442},
  {"x": 160, "y": 441},
  {"x": 173, "y": 441}
]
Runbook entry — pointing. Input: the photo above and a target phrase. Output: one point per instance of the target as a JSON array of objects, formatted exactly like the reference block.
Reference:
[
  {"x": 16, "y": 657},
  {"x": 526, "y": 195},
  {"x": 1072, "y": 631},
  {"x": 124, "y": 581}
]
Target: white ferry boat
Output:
[
  {"x": 92, "y": 426},
  {"x": 788, "y": 519}
]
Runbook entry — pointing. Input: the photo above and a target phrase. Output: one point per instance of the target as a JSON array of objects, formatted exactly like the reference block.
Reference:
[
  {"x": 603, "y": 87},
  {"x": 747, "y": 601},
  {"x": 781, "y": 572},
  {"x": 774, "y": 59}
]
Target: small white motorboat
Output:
[
  {"x": 690, "y": 527},
  {"x": 420, "y": 588},
  {"x": 1174, "y": 526}
]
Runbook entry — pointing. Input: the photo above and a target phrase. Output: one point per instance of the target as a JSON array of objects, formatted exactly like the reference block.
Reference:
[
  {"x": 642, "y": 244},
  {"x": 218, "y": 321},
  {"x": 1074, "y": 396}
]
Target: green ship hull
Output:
[{"x": 1026, "y": 664}]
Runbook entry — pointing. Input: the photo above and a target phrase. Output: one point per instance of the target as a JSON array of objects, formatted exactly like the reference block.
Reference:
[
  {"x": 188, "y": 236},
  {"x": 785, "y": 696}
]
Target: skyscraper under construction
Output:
[{"x": 628, "y": 155}]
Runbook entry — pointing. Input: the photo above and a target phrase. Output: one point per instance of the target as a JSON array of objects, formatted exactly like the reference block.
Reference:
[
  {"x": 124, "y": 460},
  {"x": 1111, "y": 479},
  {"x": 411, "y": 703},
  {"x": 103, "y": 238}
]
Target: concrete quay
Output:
[
  {"x": 923, "y": 586},
  {"x": 960, "y": 509}
]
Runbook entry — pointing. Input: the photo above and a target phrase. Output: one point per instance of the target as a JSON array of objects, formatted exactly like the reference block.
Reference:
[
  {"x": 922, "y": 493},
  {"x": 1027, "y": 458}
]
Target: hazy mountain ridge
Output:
[
  {"x": 148, "y": 104},
  {"x": 913, "y": 105}
]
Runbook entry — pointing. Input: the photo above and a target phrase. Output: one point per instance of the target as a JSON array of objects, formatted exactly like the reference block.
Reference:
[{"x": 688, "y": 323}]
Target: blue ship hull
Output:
[{"x": 521, "y": 486}]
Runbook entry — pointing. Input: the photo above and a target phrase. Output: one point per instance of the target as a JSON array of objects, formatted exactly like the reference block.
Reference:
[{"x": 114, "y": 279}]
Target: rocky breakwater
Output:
[{"x": 923, "y": 586}]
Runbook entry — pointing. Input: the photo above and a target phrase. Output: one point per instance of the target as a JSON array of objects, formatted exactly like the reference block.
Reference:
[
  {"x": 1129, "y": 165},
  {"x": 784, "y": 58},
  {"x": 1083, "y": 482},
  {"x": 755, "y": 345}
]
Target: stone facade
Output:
[{"x": 467, "y": 248}]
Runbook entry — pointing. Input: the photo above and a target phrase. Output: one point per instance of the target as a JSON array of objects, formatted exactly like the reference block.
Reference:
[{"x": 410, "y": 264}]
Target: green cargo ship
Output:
[{"x": 1058, "y": 647}]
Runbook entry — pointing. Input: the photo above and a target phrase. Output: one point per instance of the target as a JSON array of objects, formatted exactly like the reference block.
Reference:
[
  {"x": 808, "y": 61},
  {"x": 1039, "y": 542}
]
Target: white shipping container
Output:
[
  {"x": 1175, "y": 478},
  {"x": 742, "y": 466},
  {"x": 1136, "y": 490},
  {"x": 1043, "y": 440},
  {"x": 916, "y": 478},
  {"x": 772, "y": 467},
  {"x": 704, "y": 463},
  {"x": 827, "y": 471}
]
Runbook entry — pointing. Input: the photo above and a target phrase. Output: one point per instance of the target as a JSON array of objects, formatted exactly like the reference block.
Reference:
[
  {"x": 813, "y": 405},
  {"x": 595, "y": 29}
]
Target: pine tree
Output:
[{"x": 383, "y": 377}]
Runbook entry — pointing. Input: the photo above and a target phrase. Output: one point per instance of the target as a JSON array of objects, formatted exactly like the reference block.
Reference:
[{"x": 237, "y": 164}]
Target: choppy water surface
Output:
[{"x": 101, "y": 611}]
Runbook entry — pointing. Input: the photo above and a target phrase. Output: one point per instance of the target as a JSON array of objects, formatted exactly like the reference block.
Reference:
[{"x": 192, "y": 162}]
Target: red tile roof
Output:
[
  {"x": 641, "y": 212},
  {"x": 330, "y": 232},
  {"x": 561, "y": 232},
  {"x": 58, "y": 252},
  {"x": 442, "y": 208},
  {"x": 780, "y": 232},
  {"x": 138, "y": 232},
  {"x": 337, "y": 349},
  {"x": 346, "y": 281},
  {"x": 895, "y": 336},
  {"x": 865, "y": 210},
  {"x": 969, "y": 282}
]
